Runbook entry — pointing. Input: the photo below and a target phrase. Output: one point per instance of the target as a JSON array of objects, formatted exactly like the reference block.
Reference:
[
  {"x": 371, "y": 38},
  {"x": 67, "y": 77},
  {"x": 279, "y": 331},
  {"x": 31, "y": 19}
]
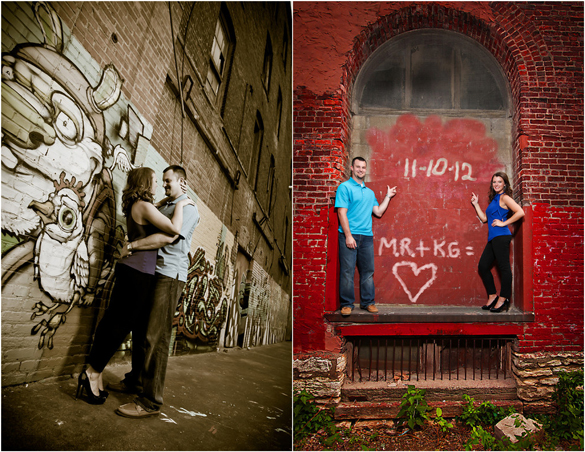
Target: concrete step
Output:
[
  {"x": 381, "y": 399},
  {"x": 389, "y": 410},
  {"x": 447, "y": 390}
]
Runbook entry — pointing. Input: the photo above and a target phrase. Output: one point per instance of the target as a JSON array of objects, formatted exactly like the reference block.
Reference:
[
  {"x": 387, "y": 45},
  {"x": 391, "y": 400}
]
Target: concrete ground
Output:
[{"x": 239, "y": 400}]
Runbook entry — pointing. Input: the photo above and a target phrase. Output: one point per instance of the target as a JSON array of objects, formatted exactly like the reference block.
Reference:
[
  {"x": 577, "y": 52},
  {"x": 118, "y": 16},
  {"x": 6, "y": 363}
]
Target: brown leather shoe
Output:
[
  {"x": 371, "y": 308},
  {"x": 345, "y": 311},
  {"x": 134, "y": 410}
]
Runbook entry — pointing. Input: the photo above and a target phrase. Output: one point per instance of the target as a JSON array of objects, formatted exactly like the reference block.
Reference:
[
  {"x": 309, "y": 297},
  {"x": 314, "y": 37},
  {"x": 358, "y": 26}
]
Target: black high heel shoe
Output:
[
  {"x": 487, "y": 307},
  {"x": 505, "y": 306},
  {"x": 83, "y": 383}
]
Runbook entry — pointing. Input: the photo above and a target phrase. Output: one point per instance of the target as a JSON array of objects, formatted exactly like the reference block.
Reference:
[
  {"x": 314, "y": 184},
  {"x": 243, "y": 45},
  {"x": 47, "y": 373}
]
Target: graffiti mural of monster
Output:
[{"x": 58, "y": 204}]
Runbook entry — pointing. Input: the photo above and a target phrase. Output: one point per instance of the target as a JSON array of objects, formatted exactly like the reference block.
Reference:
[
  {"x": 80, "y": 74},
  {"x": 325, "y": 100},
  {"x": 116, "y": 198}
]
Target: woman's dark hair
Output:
[
  {"x": 138, "y": 186},
  {"x": 507, "y": 188}
]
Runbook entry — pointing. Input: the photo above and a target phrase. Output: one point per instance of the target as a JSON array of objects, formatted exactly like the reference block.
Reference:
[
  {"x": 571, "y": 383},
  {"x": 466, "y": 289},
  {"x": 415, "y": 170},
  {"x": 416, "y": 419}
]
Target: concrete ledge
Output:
[
  {"x": 429, "y": 314},
  {"x": 389, "y": 410},
  {"x": 436, "y": 390}
]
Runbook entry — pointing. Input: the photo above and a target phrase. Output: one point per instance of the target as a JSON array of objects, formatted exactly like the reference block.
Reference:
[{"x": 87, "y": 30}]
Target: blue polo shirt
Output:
[
  {"x": 359, "y": 201},
  {"x": 173, "y": 260}
]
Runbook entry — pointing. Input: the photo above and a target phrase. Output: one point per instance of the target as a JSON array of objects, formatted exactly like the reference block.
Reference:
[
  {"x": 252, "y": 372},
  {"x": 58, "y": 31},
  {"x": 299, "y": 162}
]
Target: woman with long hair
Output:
[
  {"x": 134, "y": 275},
  {"x": 501, "y": 212}
]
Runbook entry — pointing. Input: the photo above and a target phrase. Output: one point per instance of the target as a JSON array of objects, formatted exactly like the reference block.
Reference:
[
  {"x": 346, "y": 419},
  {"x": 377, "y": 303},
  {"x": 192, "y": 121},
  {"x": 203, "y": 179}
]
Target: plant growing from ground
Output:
[
  {"x": 489, "y": 442},
  {"x": 568, "y": 397},
  {"x": 309, "y": 417},
  {"x": 414, "y": 407},
  {"x": 486, "y": 413},
  {"x": 567, "y": 422},
  {"x": 443, "y": 424},
  {"x": 480, "y": 436}
]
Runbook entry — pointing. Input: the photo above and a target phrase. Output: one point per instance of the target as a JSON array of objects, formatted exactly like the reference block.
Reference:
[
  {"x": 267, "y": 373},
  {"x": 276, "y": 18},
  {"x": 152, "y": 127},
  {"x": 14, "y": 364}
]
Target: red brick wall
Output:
[
  {"x": 540, "y": 49},
  {"x": 320, "y": 156}
]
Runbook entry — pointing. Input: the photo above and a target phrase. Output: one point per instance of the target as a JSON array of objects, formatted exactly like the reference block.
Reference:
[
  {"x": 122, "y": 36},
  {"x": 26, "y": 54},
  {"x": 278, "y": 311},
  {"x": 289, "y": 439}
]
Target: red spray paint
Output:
[{"x": 428, "y": 244}]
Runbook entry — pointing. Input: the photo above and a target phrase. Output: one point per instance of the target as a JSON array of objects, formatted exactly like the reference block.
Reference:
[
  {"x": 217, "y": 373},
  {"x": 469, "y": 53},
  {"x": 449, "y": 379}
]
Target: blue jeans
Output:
[
  {"x": 165, "y": 297},
  {"x": 363, "y": 257}
]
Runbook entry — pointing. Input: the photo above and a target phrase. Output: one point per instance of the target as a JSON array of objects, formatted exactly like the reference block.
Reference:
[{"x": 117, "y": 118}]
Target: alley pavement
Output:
[{"x": 235, "y": 400}]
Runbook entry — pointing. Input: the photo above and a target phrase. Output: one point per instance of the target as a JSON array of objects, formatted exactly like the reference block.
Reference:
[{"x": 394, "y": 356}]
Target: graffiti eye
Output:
[
  {"x": 67, "y": 218},
  {"x": 68, "y": 119},
  {"x": 7, "y": 72},
  {"x": 66, "y": 127}
]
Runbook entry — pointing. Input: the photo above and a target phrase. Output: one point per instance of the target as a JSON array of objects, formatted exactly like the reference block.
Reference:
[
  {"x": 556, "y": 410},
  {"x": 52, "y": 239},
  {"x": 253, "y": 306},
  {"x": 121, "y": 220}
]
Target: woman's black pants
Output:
[
  {"x": 127, "y": 311},
  {"x": 498, "y": 249}
]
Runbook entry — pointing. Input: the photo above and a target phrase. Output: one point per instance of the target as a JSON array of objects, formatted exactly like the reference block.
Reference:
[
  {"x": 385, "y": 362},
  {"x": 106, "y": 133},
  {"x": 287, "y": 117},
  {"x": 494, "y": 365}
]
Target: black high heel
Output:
[
  {"x": 487, "y": 307},
  {"x": 83, "y": 383},
  {"x": 505, "y": 306}
]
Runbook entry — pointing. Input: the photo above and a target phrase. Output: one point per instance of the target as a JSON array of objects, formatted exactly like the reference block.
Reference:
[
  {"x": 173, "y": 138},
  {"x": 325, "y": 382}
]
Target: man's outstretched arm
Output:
[{"x": 379, "y": 210}]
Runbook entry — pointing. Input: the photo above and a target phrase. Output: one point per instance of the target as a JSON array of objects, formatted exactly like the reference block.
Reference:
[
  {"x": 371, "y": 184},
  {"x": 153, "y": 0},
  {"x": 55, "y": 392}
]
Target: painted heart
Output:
[{"x": 416, "y": 271}]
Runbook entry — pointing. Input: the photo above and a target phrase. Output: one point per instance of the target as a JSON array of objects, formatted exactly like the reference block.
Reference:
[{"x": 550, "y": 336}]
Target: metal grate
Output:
[{"x": 429, "y": 358}]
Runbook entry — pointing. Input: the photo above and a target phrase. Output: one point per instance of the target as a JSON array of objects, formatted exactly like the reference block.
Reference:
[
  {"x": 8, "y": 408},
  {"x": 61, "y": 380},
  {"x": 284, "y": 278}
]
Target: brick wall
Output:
[
  {"x": 107, "y": 92},
  {"x": 320, "y": 159},
  {"x": 539, "y": 47}
]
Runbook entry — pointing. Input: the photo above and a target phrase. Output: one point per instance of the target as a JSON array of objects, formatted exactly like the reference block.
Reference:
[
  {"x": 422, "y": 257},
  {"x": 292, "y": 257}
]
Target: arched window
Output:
[{"x": 432, "y": 70}]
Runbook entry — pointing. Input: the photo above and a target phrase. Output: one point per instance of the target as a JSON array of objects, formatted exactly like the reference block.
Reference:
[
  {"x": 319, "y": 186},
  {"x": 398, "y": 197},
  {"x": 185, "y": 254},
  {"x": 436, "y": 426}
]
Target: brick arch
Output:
[
  {"x": 520, "y": 51},
  {"x": 527, "y": 50}
]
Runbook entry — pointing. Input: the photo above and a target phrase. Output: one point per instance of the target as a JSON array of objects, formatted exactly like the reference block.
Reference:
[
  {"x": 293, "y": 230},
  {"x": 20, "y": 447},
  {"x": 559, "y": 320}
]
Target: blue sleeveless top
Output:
[{"x": 495, "y": 212}]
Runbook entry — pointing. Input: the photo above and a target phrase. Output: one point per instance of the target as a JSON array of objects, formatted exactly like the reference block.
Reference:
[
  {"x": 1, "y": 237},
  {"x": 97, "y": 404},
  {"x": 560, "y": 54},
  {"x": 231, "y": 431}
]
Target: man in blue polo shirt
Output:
[
  {"x": 355, "y": 205},
  {"x": 172, "y": 264}
]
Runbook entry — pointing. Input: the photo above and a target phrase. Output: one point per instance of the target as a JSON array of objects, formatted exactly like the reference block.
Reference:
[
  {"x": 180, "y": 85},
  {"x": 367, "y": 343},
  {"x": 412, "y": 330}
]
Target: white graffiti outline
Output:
[{"x": 416, "y": 272}]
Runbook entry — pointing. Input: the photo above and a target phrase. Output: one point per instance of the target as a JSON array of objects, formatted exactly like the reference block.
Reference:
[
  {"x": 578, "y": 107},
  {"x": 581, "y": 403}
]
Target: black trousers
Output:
[
  {"x": 498, "y": 249},
  {"x": 127, "y": 311}
]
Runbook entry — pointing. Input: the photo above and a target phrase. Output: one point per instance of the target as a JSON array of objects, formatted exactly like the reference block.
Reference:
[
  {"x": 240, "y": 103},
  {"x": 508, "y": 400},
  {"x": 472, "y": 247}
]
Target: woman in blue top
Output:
[{"x": 499, "y": 238}]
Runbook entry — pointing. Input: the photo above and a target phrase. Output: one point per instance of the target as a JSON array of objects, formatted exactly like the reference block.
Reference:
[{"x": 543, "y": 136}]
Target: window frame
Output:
[
  {"x": 220, "y": 75},
  {"x": 267, "y": 65},
  {"x": 402, "y": 43}
]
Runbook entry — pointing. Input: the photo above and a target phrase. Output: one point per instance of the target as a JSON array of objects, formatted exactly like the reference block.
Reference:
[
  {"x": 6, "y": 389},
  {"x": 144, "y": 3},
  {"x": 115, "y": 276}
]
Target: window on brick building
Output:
[
  {"x": 270, "y": 183},
  {"x": 219, "y": 57},
  {"x": 285, "y": 47},
  {"x": 257, "y": 146},
  {"x": 285, "y": 236},
  {"x": 432, "y": 70},
  {"x": 278, "y": 113},
  {"x": 267, "y": 65}
]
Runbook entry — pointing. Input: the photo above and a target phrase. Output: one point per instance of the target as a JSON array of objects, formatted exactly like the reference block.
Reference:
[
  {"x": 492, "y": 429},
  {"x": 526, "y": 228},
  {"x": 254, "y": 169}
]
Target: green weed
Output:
[
  {"x": 485, "y": 414},
  {"x": 414, "y": 407},
  {"x": 309, "y": 417},
  {"x": 441, "y": 422}
]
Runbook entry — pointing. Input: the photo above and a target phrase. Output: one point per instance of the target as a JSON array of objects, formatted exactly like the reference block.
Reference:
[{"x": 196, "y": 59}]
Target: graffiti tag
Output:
[
  {"x": 416, "y": 271},
  {"x": 404, "y": 248},
  {"x": 439, "y": 168},
  {"x": 203, "y": 306}
]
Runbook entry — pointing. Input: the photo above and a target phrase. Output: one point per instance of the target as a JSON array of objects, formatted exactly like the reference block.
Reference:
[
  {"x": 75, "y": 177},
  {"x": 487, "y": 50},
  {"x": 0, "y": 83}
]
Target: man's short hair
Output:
[
  {"x": 178, "y": 170},
  {"x": 361, "y": 159}
]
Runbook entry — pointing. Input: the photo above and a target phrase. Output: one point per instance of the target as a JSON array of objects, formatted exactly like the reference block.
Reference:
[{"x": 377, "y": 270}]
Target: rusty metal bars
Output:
[{"x": 447, "y": 355}]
